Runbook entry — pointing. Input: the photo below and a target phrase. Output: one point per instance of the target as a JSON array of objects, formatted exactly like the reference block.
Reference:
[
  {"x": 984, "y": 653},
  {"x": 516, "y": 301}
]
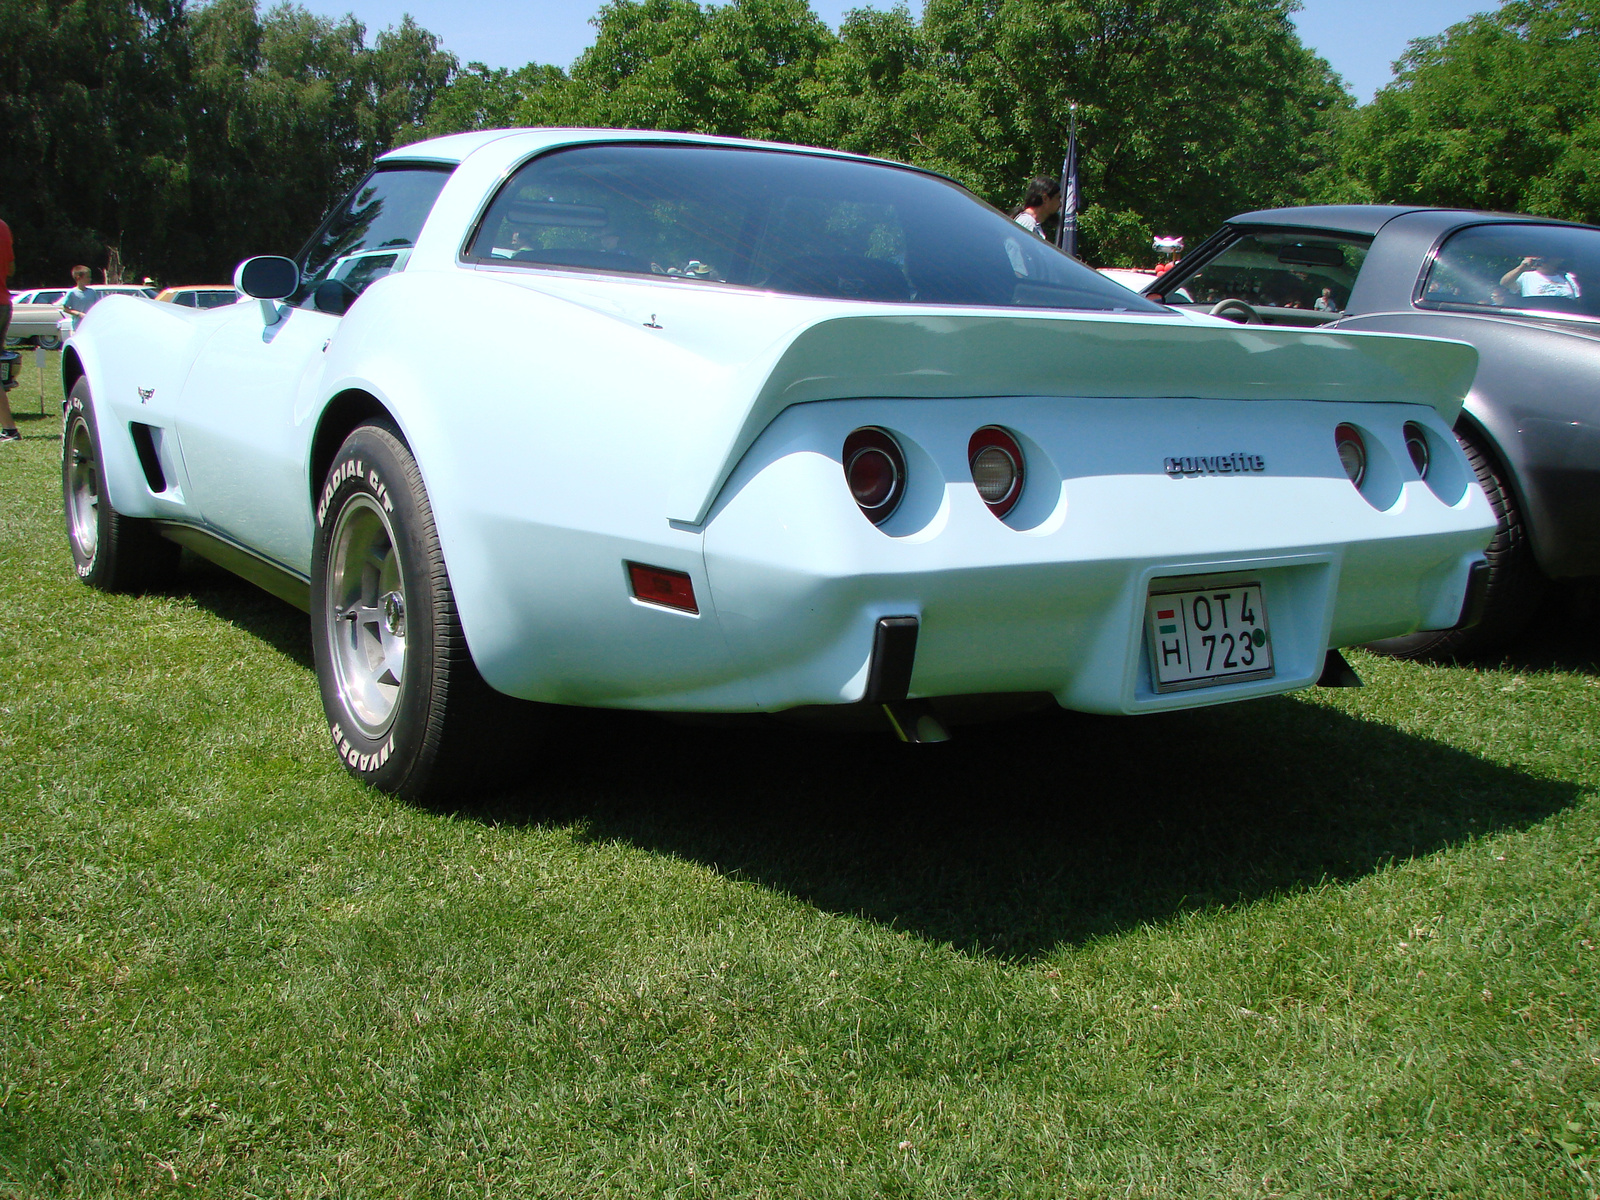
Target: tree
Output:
[
  {"x": 741, "y": 69},
  {"x": 1189, "y": 110},
  {"x": 92, "y": 152},
  {"x": 1498, "y": 112},
  {"x": 190, "y": 138}
]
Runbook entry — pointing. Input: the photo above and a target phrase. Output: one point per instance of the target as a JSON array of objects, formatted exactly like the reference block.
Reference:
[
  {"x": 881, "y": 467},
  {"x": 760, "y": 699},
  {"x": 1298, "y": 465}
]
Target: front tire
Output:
[
  {"x": 406, "y": 707},
  {"x": 110, "y": 551},
  {"x": 1516, "y": 585}
]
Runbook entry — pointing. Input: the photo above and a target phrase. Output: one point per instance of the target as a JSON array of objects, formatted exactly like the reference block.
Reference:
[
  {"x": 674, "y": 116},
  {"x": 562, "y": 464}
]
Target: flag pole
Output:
[{"x": 1067, "y": 232}]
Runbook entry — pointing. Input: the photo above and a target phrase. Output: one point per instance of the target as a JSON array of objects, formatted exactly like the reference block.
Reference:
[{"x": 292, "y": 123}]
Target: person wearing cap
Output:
[{"x": 8, "y": 425}]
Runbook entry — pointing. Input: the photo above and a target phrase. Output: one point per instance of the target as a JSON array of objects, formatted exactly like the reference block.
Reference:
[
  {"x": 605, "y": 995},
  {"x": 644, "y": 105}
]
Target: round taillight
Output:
[
  {"x": 876, "y": 472},
  {"x": 1417, "y": 447},
  {"x": 1352, "y": 452},
  {"x": 996, "y": 462}
]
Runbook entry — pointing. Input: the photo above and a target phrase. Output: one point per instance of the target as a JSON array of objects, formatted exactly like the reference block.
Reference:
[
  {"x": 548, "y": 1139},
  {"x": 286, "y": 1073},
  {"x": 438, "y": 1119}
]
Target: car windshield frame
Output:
[
  {"x": 864, "y": 246},
  {"x": 1553, "y": 308}
]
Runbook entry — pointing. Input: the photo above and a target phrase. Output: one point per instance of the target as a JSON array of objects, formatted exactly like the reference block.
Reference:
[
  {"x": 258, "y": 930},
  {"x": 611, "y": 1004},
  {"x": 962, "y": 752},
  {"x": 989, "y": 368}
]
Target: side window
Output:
[
  {"x": 1277, "y": 269},
  {"x": 372, "y": 232},
  {"x": 185, "y": 298},
  {"x": 1552, "y": 269}
]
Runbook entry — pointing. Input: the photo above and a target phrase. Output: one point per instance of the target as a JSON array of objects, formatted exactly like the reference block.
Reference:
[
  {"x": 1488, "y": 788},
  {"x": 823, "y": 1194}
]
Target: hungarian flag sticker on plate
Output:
[{"x": 1199, "y": 639}]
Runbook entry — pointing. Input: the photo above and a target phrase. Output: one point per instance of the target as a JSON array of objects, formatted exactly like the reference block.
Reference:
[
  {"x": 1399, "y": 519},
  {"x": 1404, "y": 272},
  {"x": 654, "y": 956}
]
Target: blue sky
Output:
[{"x": 1360, "y": 38}]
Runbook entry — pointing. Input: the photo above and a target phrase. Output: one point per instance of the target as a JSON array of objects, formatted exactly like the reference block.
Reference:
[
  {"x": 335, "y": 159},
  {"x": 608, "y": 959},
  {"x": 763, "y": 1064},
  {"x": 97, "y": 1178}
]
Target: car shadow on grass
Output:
[
  {"x": 281, "y": 625},
  {"x": 1015, "y": 839},
  {"x": 1564, "y": 636}
]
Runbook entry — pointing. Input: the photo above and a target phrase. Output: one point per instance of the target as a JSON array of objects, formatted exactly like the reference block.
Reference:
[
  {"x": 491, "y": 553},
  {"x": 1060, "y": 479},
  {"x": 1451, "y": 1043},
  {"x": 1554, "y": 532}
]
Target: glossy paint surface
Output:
[{"x": 590, "y": 421}]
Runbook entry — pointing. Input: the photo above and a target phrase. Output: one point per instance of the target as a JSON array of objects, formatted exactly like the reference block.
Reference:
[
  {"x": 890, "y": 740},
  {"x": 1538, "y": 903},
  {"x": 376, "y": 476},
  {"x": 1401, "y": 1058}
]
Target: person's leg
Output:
[{"x": 8, "y": 425}]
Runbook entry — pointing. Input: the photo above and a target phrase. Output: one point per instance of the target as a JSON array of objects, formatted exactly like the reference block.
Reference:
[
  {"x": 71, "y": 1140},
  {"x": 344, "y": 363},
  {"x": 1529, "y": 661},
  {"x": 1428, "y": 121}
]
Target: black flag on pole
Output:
[{"x": 1067, "y": 233}]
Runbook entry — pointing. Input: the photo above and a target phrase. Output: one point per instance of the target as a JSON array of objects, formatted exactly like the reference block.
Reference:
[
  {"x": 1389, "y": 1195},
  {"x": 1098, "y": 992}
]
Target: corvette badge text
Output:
[{"x": 1217, "y": 464}]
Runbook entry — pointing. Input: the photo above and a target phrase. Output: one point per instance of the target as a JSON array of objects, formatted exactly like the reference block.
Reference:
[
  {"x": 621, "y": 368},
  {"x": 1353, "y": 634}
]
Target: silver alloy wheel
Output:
[
  {"x": 366, "y": 614},
  {"x": 83, "y": 488}
]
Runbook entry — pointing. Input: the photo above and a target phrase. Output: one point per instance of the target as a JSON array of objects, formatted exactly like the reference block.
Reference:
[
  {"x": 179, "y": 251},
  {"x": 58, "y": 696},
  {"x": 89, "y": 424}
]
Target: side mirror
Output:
[{"x": 267, "y": 277}]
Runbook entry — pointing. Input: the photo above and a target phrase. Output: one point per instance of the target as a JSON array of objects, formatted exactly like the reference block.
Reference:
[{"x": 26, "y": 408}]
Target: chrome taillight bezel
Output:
[
  {"x": 992, "y": 438},
  {"x": 880, "y": 445},
  {"x": 1348, "y": 435}
]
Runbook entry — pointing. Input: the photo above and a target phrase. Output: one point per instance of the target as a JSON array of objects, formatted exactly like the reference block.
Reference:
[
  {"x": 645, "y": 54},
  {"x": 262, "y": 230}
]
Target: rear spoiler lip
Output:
[{"x": 939, "y": 356}]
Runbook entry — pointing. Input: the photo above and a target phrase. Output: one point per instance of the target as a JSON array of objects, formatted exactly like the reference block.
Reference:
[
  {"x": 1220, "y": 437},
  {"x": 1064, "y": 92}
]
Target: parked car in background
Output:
[
  {"x": 1523, "y": 290},
  {"x": 200, "y": 295},
  {"x": 754, "y": 428},
  {"x": 34, "y": 316}
]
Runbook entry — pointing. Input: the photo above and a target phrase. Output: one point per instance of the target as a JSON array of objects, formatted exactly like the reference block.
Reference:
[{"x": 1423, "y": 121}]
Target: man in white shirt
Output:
[{"x": 1536, "y": 276}]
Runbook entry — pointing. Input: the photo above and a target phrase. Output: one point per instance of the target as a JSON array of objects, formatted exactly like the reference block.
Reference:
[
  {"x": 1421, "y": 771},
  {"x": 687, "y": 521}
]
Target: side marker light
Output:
[{"x": 658, "y": 585}]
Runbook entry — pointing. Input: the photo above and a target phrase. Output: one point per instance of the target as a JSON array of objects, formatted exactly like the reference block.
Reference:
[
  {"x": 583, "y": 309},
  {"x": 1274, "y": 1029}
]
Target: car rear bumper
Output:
[{"x": 791, "y": 579}]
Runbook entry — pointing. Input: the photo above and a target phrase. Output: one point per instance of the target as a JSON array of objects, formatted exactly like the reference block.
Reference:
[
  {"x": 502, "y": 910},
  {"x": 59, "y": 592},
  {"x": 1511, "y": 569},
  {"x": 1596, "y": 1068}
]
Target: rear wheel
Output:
[
  {"x": 407, "y": 709},
  {"x": 1516, "y": 585},
  {"x": 110, "y": 551}
]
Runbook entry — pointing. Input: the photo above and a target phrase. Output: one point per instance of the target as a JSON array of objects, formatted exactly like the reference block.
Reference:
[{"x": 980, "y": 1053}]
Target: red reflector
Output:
[{"x": 657, "y": 585}]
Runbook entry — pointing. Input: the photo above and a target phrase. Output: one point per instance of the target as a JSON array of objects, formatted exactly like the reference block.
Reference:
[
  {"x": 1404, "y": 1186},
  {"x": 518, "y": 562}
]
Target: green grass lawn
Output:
[{"x": 1342, "y": 944}]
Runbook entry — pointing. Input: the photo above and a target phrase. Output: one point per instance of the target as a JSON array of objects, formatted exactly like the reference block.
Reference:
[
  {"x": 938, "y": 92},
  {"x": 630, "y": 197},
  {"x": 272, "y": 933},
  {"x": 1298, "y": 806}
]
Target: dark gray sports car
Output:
[{"x": 1524, "y": 290}]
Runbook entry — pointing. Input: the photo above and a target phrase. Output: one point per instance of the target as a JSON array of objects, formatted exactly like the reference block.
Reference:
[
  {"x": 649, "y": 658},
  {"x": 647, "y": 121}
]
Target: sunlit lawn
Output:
[{"x": 1337, "y": 945}]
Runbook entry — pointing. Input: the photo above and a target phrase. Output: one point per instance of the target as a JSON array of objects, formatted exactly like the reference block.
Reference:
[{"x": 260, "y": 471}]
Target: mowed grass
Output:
[{"x": 1337, "y": 945}]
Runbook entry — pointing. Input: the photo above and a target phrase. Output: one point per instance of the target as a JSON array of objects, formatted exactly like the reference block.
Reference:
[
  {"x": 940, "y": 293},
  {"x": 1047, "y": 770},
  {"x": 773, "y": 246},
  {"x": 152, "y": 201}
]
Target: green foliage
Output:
[
  {"x": 1499, "y": 112},
  {"x": 192, "y": 137},
  {"x": 741, "y": 69},
  {"x": 1188, "y": 113}
]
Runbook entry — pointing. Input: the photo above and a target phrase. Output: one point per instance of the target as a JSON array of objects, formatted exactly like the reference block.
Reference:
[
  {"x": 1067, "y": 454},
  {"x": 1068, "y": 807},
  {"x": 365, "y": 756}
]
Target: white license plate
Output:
[{"x": 1200, "y": 639}]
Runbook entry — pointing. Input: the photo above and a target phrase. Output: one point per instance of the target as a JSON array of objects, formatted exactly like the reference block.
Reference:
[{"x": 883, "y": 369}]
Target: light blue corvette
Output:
[{"x": 725, "y": 426}]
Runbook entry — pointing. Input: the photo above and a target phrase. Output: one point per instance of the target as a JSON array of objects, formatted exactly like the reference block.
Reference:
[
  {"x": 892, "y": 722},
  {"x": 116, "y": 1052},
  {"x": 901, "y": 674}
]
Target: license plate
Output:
[{"x": 1200, "y": 639}]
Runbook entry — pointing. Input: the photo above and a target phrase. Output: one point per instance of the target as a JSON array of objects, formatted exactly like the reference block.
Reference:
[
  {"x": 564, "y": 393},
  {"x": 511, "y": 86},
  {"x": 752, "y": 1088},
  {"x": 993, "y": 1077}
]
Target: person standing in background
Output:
[
  {"x": 81, "y": 298},
  {"x": 8, "y": 425},
  {"x": 1042, "y": 201}
]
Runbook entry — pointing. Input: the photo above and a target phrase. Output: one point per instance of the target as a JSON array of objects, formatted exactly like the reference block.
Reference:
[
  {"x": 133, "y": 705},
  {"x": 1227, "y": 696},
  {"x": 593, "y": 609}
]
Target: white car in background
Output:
[
  {"x": 34, "y": 317},
  {"x": 752, "y": 428},
  {"x": 1133, "y": 280}
]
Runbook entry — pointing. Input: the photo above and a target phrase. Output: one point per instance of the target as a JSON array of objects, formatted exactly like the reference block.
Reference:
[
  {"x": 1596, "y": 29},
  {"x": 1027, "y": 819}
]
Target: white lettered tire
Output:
[{"x": 407, "y": 710}]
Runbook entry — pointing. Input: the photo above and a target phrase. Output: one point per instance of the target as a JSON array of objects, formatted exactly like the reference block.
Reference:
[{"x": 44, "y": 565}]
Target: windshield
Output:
[
  {"x": 804, "y": 224},
  {"x": 1269, "y": 268},
  {"x": 1546, "y": 269},
  {"x": 373, "y": 231}
]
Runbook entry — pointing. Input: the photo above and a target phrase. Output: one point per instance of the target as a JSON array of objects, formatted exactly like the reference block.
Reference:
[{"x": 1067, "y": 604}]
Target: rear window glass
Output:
[
  {"x": 1547, "y": 269},
  {"x": 1277, "y": 269},
  {"x": 798, "y": 223}
]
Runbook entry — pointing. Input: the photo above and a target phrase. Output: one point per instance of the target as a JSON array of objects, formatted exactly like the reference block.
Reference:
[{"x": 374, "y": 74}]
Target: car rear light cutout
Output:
[
  {"x": 1417, "y": 448},
  {"x": 875, "y": 470},
  {"x": 997, "y": 468},
  {"x": 659, "y": 585},
  {"x": 1352, "y": 450}
]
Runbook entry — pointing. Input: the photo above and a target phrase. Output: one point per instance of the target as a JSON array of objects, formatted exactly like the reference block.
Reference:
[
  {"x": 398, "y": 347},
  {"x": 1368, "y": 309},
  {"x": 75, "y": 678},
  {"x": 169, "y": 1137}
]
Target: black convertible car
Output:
[{"x": 1524, "y": 290}]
